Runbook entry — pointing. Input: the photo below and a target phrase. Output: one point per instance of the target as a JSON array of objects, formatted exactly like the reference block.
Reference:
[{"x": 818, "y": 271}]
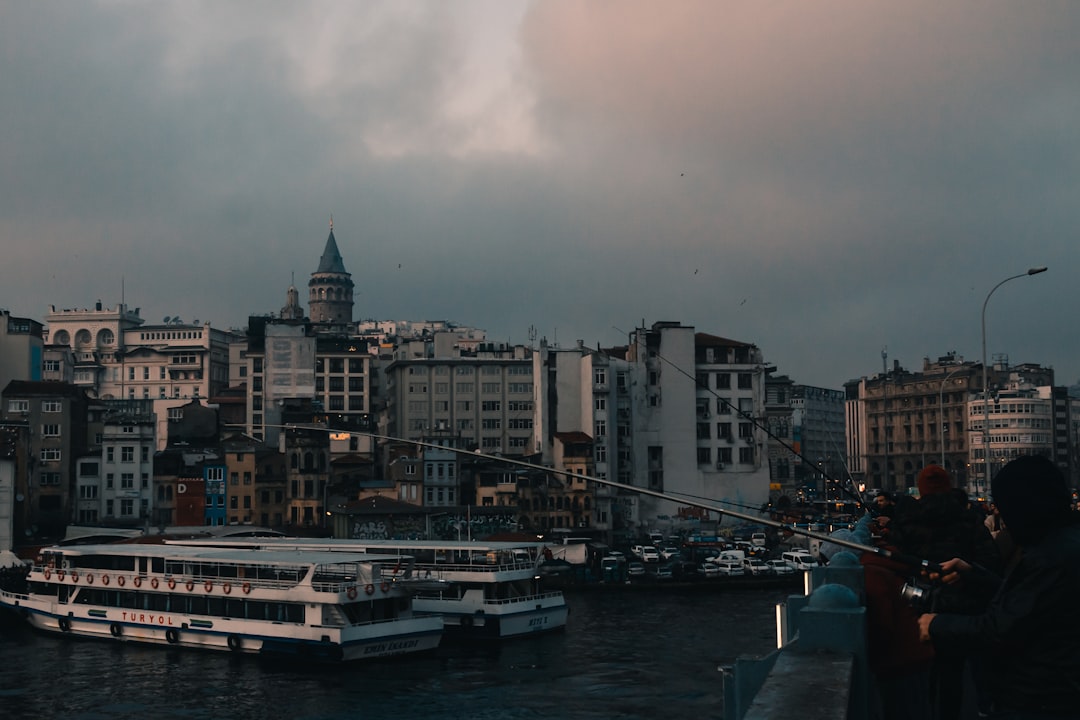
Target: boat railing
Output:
[
  {"x": 133, "y": 579},
  {"x": 522, "y": 598},
  {"x": 423, "y": 569}
]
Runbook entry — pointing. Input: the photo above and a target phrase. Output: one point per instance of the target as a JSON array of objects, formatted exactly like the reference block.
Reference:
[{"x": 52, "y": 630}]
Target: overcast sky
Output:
[{"x": 822, "y": 179}]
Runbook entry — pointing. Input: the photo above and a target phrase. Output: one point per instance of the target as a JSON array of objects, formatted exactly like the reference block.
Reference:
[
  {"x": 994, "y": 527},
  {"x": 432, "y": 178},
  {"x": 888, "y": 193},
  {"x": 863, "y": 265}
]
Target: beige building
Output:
[{"x": 116, "y": 356}]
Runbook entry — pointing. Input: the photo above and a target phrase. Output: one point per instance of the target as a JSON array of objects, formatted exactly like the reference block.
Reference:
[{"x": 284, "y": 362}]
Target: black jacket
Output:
[{"x": 1030, "y": 630}]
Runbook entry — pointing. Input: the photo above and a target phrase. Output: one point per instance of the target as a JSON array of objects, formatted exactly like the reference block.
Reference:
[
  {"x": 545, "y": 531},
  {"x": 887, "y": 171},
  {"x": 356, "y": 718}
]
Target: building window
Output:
[
  {"x": 127, "y": 507},
  {"x": 19, "y": 406},
  {"x": 723, "y": 381},
  {"x": 704, "y": 455},
  {"x": 746, "y": 455},
  {"x": 127, "y": 481},
  {"x": 50, "y": 455},
  {"x": 50, "y": 430},
  {"x": 746, "y": 381},
  {"x": 51, "y": 406},
  {"x": 127, "y": 454}
]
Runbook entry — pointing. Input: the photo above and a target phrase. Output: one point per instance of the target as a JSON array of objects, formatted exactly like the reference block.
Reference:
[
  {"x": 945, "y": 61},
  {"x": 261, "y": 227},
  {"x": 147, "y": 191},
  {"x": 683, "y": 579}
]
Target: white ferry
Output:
[
  {"x": 289, "y": 603},
  {"x": 481, "y": 590}
]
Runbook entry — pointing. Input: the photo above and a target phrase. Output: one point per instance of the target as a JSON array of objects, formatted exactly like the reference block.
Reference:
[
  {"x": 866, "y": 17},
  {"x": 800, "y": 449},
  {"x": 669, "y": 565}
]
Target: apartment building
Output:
[
  {"x": 117, "y": 356},
  {"x": 21, "y": 349},
  {"x": 49, "y": 421}
]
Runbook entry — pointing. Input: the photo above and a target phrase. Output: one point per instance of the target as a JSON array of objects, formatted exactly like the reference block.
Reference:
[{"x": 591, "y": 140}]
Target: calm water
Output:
[{"x": 627, "y": 654}]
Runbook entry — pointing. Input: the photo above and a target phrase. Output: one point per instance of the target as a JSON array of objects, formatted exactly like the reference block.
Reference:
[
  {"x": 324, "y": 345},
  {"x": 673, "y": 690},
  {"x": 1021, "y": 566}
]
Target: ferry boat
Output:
[
  {"x": 289, "y": 603},
  {"x": 481, "y": 590}
]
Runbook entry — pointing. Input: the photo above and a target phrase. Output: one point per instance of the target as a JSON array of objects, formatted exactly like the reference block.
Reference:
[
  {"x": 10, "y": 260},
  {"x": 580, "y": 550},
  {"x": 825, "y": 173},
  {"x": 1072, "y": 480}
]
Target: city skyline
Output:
[{"x": 824, "y": 182}]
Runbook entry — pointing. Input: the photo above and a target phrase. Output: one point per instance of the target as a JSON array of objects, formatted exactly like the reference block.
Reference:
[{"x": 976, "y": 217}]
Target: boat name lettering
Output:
[
  {"x": 149, "y": 618},
  {"x": 391, "y": 646},
  {"x": 536, "y": 622}
]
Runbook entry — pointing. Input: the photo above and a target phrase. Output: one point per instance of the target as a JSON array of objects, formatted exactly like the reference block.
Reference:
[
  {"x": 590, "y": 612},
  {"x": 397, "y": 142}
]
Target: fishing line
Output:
[{"x": 793, "y": 529}]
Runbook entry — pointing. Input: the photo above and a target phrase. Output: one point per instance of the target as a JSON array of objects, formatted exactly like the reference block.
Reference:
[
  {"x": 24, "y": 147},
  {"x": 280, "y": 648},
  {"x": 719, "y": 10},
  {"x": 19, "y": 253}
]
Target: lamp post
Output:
[
  {"x": 941, "y": 409},
  {"x": 986, "y": 382}
]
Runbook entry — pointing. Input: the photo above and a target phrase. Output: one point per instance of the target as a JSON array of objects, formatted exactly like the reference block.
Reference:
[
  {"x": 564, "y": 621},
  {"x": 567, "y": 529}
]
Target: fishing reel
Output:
[{"x": 921, "y": 596}]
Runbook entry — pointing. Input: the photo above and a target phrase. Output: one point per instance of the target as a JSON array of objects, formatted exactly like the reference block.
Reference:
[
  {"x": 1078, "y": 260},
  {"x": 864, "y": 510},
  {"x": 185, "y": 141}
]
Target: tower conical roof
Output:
[{"x": 330, "y": 262}]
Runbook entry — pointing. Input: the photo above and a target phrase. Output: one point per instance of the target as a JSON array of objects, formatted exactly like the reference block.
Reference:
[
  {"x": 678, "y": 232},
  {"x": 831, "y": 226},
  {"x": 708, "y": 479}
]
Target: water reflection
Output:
[{"x": 628, "y": 654}]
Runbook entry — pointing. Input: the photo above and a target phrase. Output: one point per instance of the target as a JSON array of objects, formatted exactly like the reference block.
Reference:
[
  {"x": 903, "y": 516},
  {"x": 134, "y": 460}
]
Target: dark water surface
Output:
[{"x": 626, "y": 654}]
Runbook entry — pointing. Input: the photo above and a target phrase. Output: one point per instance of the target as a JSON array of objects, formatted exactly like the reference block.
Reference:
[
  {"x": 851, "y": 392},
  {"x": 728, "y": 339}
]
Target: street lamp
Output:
[
  {"x": 986, "y": 383},
  {"x": 941, "y": 409}
]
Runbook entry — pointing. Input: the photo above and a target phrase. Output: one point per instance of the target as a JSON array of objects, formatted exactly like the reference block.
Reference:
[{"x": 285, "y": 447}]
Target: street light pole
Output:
[
  {"x": 941, "y": 409},
  {"x": 986, "y": 383}
]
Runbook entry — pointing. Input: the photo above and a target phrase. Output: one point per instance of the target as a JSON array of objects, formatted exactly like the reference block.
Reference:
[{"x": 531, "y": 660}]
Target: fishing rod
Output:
[
  {"x": 843, "y": 487},
  {"x": 793, "y": 529}
]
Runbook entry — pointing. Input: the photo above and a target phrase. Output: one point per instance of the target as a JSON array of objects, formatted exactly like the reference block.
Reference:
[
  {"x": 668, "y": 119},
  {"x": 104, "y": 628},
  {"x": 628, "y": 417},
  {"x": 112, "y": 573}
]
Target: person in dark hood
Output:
[
  {"x": 1029, "y": 630},
  {"x": 937, "y": 527}
]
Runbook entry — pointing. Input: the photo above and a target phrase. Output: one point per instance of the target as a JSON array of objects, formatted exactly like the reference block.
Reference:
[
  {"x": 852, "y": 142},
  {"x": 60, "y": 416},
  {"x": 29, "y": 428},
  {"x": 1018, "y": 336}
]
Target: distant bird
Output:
[
  {"x": 743, "y": 301},
  {"x": 682, "y": 174},
  {"x": 399, "y": 266},
  {"x": 695, "y": 271}
]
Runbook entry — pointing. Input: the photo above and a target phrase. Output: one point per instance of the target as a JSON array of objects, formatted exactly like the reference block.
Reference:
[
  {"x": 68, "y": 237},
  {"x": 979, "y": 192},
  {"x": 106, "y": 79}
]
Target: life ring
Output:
[
  {"x": 104, "y": 579},
  {"x": 246, "y": 587},
  {"x": 120, "y": 580},
  {"x": 47, "y": 573},
  {"x": 190, "y": 585},
  {"x": 208, "y": 585},
  {"x": 65, "y": 624},
  {"x": 235, "y": 644},
  {"x": 172, "y": 583},
  {"x": 227, "y": 588},
  {"x": 172, "y": 636},
  {"x": 89, "y": 578},
  {"x": 351, "y": 592},
  {"x": 74, "y": 577},
  {"x": 136, "y": 581},
  {"x": 385, "y": 587},
  {"x": 60, "y": 575},
  {"x": 369, "y": 589},
  {"x": 154, "y": 583},
  {"x": 116, "y": 630}
]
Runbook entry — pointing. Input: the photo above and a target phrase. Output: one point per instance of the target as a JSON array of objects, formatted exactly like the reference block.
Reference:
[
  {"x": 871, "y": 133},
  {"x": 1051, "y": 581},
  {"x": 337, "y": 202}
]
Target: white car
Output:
[
  {"x": 669, "y": 553},
  {"x": 755, "y": 566},
  {"x": 650, "y": 554},
  {"x": 730, "y": 568},
  {"x": 779, "y": 567},
  {"x": 709, "y": 570}
]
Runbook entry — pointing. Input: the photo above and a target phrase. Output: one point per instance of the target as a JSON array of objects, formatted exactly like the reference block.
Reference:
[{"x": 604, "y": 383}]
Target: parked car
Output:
[
  {"x": 779, "y": 567},
  {"x": 665, "y": 572},
  {"x": 635, "y": 569},
  {"x": 669, "y": 552},
  {"x": 730, "y": 568},
  {"x": 759, "y": 538},
  {"x": 799, "y": 560},
  {"x": 650, "y": 554},
  {"x": 709, "y": 570},
  {"x": 755, "y": 566}
]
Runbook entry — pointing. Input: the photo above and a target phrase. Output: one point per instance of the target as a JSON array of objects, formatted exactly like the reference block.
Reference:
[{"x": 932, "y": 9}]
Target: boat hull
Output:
[{"x": 287, "y": 640}]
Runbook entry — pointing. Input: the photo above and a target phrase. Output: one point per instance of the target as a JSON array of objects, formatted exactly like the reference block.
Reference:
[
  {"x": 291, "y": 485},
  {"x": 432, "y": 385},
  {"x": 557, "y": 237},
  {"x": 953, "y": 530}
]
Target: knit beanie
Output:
[{"x": 933, "y": 479}]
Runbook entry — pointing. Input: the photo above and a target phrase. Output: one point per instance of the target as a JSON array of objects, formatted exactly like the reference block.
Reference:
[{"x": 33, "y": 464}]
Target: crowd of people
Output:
[{"x": 984, "y": 622}]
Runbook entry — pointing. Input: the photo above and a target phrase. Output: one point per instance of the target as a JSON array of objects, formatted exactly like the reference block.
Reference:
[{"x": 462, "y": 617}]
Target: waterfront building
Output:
[
  {"x": 697, "y": 403},
  {"x": 47, "y": 424},
  {"x": 899, "y": 421},
  {"x": 781, "y": 442},
  {"x": 21, "y": 349},
  {"x": 481, "y": 391},
  {"x": 117, "y": 356},
  {"x": 1022, "y": 422},
  {"x": 124, "y": 495},
  {"x": 818, "y": 435}
]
